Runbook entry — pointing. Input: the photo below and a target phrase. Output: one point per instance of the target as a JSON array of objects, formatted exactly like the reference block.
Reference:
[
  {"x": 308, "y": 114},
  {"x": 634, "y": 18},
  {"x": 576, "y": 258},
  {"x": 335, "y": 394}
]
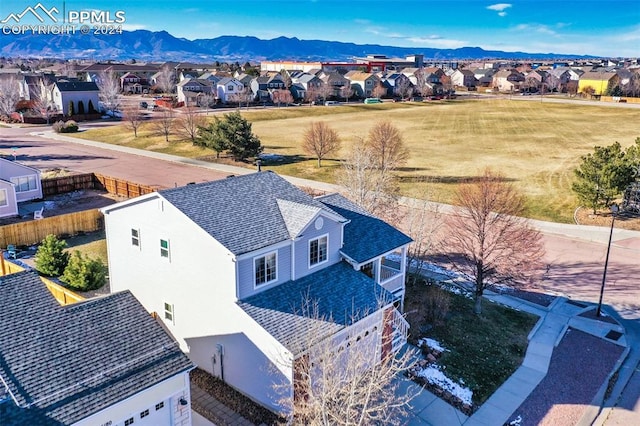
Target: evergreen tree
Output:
[
  {"x": 92, "y": 109},
  {"x": 601, "y": 176},
  {"x": 236, "y": 133},
  {"x": 83, "y": 273},
  {"x": 80, "y": 107},
  {"x": 209, "y": 137},
  {"x": 71, "y": 111},
  {"x": 51, "y": 259}
]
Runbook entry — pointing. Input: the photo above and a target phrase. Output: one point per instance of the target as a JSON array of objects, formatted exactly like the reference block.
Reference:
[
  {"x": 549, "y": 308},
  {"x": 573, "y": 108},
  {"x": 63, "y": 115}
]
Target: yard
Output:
[
  {"x": 535, "y": 144},
  {"x": 480, "y": 351}
]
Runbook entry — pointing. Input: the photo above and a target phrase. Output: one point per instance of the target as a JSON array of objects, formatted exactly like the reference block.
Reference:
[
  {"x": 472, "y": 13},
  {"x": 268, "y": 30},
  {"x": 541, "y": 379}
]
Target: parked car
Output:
[
  {"x": 331, "y": 103},
  {"x": 144, "y": 105},
  {"x": 372, "y": 101}
]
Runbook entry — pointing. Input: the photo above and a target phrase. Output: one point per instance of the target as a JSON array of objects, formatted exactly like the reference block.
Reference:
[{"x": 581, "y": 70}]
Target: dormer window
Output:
[
  {"x": 318, "y": 250},
  {"x": 265, "y": 269}
]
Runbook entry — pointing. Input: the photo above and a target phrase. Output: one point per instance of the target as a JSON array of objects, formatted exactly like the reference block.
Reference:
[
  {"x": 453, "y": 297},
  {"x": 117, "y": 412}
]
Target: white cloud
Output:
[
  {"x": 538, "y": 28},
  {"x": 500, "y": 8},
  {"x": 132, "y": 27},
  {"x": 437, "y": 41}
]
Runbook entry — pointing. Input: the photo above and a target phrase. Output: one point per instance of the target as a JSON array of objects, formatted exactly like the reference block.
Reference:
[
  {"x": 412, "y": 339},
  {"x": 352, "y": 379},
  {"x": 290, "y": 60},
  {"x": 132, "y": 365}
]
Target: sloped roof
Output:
[
  {"x": 365, "y": 236},
  {"x": 64, "y": 363},
  {"x": 242, "y": 213},
  {"x": 317, "y": 305},
  {"x": 77, "y": 86}
]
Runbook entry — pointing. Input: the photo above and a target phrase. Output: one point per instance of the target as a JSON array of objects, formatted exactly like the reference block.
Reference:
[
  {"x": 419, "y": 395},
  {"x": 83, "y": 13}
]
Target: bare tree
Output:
[
  {"x": 163, "y": 125},
  {"x": 281, "y": 96},
  {"x": 346, "y": 91},
  {"x": 422, "y": 222},
  {"x": 207, "y": 100},
  {"x": 166, "y": 80},
  {"x": 320, "y": 140},
  {"x": 404, "y": 89},
  {"x": 189, "y": 122},
  {"x": 385, "y": 140},
  {"x": 9, "y": 95},
  {"x": 379, "y": 90},
  {"x": 487, "y": 240},
  {"x": 110, "y": 91},
  {"x": 366, "y": 184},
  {"x": 42, "y": 105},
  {"x": 133, "y": 118},
  {"x": 325, "y": 91},
  {"x": 338, "y": 383}
]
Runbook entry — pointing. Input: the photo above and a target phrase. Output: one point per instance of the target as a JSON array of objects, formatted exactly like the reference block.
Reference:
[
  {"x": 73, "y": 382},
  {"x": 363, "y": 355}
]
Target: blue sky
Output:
[{"x": 591, "y": 27}]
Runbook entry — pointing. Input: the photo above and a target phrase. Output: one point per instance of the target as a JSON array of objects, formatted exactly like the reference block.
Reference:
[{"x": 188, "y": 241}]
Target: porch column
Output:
[{"x": 387, "y": 333}]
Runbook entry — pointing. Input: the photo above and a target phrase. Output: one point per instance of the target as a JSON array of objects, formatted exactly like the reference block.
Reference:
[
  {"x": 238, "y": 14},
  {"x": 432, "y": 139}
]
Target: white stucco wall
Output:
[{"x": 167, "y": 393}]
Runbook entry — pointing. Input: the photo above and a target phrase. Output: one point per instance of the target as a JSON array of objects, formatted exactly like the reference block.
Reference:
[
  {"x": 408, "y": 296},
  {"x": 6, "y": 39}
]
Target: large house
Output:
[
  {"x": 103, "y": 361},
  {"x": 77, "y": 97},
  {"x": 232, "y": 266}
]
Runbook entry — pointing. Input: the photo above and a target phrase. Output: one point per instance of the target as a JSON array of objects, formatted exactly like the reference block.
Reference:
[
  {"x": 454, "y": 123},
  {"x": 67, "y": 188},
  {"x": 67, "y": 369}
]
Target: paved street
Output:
[{"x": 575, "y": 254}]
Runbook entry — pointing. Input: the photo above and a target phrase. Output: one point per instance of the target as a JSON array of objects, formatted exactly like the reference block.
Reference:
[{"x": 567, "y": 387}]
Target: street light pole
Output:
[{"x": 614, "y": 211}]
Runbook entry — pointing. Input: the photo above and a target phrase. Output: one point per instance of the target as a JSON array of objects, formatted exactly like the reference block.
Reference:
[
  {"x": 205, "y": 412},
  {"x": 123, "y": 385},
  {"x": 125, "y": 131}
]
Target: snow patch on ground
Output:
[
  {"x": 433, "y": 375},
  {"x": 433, "y": 344}
]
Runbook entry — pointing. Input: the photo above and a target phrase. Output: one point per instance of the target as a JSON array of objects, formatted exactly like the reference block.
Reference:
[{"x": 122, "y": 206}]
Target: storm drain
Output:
[{"x": 613, "y": 335}]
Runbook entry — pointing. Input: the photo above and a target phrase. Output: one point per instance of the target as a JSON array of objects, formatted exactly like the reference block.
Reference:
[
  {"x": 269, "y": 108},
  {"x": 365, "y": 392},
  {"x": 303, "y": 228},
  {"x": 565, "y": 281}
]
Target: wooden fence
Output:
[
  {"x": 64, "y": 184},
  {"x": 34, "y": 231},
  {"x": 122, "y": 187},
  {"x": 63, "y": 295}
]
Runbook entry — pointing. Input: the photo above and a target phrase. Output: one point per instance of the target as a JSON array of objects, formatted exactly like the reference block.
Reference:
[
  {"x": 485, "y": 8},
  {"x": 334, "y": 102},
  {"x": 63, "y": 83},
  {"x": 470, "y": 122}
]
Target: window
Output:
[
  {"x": 135, "y": 237},
  {"x": 144, "y": 414},
  {"x": 230, "y": 88},
  {"x": 25, "y": 183},
  {"x": 318, "y": 250},
  {"x": 159, "y": 405},
  {"x": 128, "y": 422},
  {"x": 164, "y": 248},
  {"x": 168, "y": 311},
  {"x": 3, "y": 197},
  {"x": 265, "y": 269}
]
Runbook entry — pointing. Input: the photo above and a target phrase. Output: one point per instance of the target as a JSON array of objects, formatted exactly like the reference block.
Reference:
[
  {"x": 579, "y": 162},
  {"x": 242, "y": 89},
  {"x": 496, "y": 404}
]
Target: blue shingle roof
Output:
[
  {"x": 64, "y": 363},
  {"x": 242, "y": 212},
  {"x": 323, "y": 302},
  {"x": 365, "y": 236}
]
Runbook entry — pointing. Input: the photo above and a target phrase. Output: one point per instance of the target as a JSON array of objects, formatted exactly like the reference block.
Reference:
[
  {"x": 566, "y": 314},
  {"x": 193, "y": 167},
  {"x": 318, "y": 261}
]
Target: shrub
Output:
[
  {"x": 51, "y": 259},
  {"x": 437, "y": 304},
  {"x": 62, "y": 127},
  {"x": 71, "y": 110},
  {"x": 83, "y": 273}
]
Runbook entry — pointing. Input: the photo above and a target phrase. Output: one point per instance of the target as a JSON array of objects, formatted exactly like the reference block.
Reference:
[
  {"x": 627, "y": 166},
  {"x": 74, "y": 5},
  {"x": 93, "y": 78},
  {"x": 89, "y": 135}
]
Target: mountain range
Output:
[{"x": 144, "y": 45}]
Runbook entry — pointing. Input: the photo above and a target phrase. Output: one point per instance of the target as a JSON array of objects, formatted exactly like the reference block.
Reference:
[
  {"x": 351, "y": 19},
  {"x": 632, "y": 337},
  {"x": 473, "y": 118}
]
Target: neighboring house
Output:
[
  {"x": 133, "y": 84},
  {"x": 230, "y": 89},
  {"x": 263, "y": 85},
  {"x": 235, "y": 268},
  {"x": 103, "y": 361},
  {"x": 484, "y": 76},
  {"x": 463, "y": 78},
  {"x": 507, "y": 80},
  {"x": 80, "y": 94},
  {"x": 363, "y": 83},
  {"x": 303, "y": 84},
  {"x": 397, "y": 84},
  {"x": 189, "y": 89},
  {"x": 600, "y": 81},
  {"x": 18, "y": 183},
  {"x": 334, "y": 82}
]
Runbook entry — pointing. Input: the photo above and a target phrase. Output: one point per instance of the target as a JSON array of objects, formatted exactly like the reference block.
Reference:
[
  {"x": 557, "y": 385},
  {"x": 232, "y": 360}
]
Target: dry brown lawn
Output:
[{"x": 534, "y": 144}]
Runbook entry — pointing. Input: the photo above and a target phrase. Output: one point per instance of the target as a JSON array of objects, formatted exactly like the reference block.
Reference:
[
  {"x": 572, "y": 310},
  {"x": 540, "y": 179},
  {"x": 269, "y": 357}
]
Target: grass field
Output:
[{"x": 534, "y": 144}]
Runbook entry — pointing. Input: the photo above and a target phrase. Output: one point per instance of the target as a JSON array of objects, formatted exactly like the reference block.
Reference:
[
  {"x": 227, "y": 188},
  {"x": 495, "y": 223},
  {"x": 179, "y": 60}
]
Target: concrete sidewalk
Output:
[{"x": 554, "y": 321}]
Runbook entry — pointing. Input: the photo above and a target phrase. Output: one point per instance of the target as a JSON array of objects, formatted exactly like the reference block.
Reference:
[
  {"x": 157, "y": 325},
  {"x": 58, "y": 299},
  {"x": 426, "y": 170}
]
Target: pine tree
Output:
[
  {"x": 236, "y": 133},
  {"x": 51, "y": 259},
  {"x": 83, "y": 273}
]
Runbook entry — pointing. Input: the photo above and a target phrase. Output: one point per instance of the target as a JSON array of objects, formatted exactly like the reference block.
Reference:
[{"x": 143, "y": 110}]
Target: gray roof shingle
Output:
[
  {"x": 64, "y": 363},
  {"x": 365, "y": 236},
  {"x": 321, "y": 304},
  {"x": 242, "y": 212}
]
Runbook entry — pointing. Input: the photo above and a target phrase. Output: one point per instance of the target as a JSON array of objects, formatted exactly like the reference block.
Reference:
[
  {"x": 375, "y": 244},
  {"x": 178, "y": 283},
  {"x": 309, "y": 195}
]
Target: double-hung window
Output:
[
  {"x": 318, "y": 250},
  {"x": 25, "y": 183},
  {"x": 3, "y": 197},
  {"x": 135, "y": 237},
  {"x": 164, "y": 248},
  {"x": 265, "y": 268}
]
